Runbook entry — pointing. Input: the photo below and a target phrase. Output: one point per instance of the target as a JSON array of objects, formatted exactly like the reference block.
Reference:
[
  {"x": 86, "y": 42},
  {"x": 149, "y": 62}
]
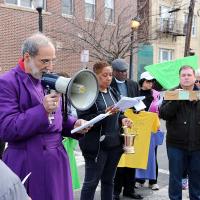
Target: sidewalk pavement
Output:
[
  {"x": 147, "y": 193},
  {"x": 161, "y": 194}
]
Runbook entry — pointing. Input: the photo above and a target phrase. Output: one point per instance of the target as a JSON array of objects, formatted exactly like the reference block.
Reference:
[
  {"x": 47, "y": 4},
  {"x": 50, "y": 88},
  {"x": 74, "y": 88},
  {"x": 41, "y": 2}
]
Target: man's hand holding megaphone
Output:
[
  {"x": 81, "y": 90},
  {"x": 51, "y": 102}
]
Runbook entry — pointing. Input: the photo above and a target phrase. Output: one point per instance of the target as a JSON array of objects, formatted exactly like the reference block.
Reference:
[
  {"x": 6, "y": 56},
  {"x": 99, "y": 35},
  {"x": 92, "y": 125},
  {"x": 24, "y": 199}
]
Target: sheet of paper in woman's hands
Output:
[
  {"x": 91, "y": 122},
  {"x": 128, "y": 102},
  {"x": 139, "y": 106}
]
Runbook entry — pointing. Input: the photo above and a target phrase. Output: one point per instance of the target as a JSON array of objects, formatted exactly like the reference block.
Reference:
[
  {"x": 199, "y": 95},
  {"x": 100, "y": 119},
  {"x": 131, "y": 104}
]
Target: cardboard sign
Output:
[{"x": 182, "y": 95}]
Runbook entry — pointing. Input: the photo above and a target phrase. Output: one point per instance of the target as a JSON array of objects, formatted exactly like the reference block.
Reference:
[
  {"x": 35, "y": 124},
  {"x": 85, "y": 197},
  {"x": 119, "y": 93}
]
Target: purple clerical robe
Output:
[{"x": 34, "y": 145}]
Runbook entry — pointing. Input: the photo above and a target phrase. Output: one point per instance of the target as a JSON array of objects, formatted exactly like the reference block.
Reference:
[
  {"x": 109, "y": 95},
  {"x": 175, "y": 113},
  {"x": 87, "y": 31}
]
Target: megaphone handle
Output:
[
  {"x": 47, "y": 89},
  {"x": 51, "y": 118},
  {"x": 50, "y": 115}
]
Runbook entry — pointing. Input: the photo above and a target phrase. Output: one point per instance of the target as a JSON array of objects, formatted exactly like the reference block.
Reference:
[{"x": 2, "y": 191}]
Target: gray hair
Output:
[
  {"x": 197, "y": 73},
  {"x": 32, "y": 44}
]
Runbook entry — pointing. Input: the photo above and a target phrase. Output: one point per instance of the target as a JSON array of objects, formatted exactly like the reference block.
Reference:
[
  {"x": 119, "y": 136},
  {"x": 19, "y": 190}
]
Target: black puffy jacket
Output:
[{"x": 182, "y": 123}]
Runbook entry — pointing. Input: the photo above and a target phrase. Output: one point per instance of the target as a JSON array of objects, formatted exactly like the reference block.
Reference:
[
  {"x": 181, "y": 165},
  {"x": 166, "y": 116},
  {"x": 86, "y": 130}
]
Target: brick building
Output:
[{"x": 68, "y": 23}]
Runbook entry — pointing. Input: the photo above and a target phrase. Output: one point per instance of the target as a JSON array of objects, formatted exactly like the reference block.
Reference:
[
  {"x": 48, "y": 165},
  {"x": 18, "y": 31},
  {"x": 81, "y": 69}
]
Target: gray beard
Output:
[{"x": 34, "y": 71}]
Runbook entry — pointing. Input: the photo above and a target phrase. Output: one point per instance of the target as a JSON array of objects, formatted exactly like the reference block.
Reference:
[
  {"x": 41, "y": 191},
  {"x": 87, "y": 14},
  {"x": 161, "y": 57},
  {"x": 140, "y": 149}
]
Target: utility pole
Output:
[{"x": 189, "y": 28}]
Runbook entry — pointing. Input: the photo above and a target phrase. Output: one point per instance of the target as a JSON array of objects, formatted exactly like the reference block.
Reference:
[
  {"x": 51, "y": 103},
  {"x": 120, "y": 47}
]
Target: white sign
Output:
[{"x": 85, "y": 56}]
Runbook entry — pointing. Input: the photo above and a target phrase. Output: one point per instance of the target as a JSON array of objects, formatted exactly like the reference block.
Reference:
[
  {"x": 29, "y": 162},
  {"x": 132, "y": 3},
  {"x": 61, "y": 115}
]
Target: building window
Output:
[
  {"x": 90, "y": 9},
  {"x": 109, "y": 11},
  {"x": 194, "y": 25},
  {"x": 11, "y": 1},
  {"x": 165, "y": 54},
  {"x": 67, "y": 7},
  {"x": 24, "y": 3},
  {"x": 167, "y": 19}
]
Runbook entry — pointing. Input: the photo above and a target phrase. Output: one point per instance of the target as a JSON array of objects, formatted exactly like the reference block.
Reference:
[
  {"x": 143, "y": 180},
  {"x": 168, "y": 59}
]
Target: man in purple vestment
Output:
[{"x": 35, "y": 144}]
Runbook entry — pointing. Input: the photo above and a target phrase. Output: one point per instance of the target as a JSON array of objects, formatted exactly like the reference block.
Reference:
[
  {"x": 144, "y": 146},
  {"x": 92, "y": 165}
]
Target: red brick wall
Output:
[{"x": 17, "y": 23}]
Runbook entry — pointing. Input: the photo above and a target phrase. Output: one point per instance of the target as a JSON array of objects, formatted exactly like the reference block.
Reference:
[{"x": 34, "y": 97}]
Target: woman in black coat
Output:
[{"x": 102, "y": 146}]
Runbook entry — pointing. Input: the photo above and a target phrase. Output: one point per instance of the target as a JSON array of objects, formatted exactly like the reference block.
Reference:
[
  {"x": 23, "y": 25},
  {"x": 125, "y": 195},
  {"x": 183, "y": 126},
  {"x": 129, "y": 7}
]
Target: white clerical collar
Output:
[{"x": 119, "y": 81}]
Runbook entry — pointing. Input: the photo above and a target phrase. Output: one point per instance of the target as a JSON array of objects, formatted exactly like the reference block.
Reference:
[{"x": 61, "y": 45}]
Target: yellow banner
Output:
[{"x": 144, "y": 123}]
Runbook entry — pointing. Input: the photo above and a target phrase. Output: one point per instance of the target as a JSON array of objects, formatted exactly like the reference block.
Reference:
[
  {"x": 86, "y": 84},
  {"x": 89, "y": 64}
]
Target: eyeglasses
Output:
[
  {"x": 48, "y": 61},
  {"x": 197, "y": 81}
]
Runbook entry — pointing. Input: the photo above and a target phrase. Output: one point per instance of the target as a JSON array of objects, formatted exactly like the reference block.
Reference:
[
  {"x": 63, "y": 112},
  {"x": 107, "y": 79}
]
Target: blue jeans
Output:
[
  {"x": 179, "y": 161},
  {"x": 104, "y": 169}
]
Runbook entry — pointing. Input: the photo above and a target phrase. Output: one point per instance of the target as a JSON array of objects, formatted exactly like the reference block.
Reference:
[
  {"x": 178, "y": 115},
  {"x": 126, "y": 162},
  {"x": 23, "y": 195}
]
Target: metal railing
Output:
[{"x": 171, "y": 26}]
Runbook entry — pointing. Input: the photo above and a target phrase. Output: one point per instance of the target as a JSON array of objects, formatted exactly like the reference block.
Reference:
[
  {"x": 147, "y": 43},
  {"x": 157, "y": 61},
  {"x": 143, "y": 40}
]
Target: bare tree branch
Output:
[{"x": 106, "y": 41}]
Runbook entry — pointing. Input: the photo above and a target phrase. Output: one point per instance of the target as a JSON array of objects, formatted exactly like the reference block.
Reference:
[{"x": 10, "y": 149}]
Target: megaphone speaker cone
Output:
[{"x": 83, "y": 90}]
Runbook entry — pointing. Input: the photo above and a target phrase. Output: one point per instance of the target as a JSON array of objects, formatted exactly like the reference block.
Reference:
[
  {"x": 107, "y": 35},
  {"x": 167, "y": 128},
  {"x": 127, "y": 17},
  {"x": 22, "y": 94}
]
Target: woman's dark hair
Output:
[
  {"x": 157, "y": 86},
  {"x": 98, "y": 66},
  {"x": 141, "y": 81}
]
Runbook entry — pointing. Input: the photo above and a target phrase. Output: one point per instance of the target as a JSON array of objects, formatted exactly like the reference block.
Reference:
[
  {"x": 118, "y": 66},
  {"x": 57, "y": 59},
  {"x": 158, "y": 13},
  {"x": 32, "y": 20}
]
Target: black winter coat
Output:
[
  {"x": 183, "y": 123},
  {"x": 110, "y": 126}
]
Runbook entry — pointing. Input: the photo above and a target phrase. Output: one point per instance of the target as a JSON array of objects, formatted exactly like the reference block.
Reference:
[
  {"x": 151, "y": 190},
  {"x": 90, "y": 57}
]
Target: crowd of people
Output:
[{"x": 35, "y": 146}]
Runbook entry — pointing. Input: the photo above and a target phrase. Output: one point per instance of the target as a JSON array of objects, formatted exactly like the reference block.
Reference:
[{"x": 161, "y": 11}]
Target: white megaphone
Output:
[{"x": 82, "y": 89}]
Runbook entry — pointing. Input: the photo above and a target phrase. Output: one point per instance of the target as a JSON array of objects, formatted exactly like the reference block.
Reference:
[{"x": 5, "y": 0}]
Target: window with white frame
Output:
[
  {"x": 166, "y": 19},
  {"x": 67, "y": 7},
  {"x": 90, "y": 9},
  {"x": 165, "y": 54},
  {"x": 24, "y": 3},
  {"x": 11, "y": 1},
  {"x": 194, "y": 25},
  {"x": 109, "y": 11}
]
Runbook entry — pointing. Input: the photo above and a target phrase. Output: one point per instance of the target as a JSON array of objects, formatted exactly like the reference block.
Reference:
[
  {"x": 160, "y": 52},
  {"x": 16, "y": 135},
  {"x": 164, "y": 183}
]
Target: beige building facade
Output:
[{"x": 168, "y": 20}]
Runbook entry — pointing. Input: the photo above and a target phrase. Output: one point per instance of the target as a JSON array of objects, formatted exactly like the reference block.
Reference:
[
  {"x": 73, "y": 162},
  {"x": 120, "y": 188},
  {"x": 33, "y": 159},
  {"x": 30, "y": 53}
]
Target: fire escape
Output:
[{"x": 170, "y": 27}]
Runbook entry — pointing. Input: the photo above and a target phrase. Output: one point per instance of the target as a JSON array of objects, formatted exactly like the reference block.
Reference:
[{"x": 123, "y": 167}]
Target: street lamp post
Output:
[
  {"x": 134, "y": 26},
  {"x": 39, "y": 7}
]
